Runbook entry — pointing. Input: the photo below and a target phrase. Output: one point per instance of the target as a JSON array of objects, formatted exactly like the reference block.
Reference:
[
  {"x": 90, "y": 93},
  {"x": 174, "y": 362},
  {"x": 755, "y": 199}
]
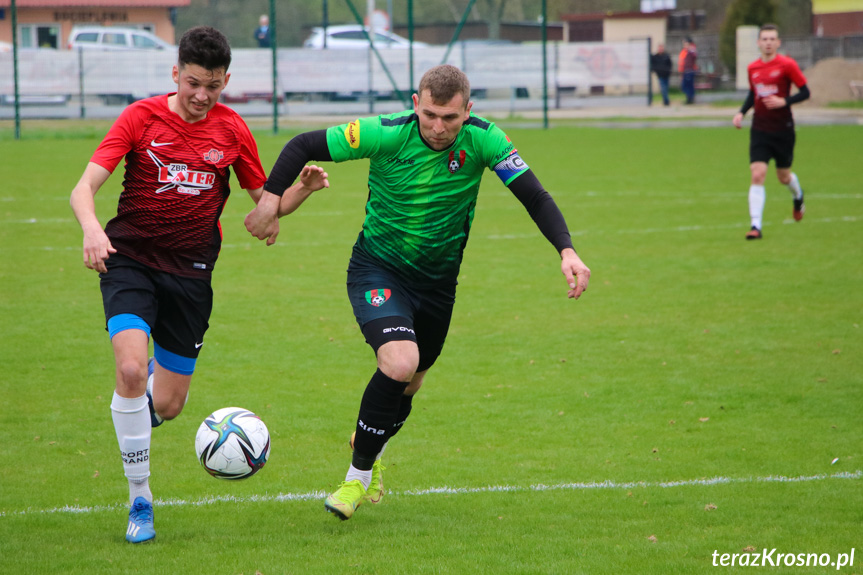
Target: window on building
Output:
[
  {"x": 685, "y": 20},
  {"x": 39, "y": 36}
]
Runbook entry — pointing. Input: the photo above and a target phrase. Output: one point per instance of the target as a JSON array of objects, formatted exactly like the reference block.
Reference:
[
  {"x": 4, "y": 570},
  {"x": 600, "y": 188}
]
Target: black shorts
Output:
[
  {"x": 776, "y": 145},
  {"x": 388, "y": 308},
  {"x": 176, "y": 308}
]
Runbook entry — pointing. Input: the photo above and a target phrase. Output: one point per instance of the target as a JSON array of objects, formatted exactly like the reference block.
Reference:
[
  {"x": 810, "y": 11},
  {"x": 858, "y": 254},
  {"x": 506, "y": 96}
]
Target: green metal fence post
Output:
[
  {"x": 544, "y": 64},
  {"x": 458, "y": 30},
  {"x": 274, "y": 51},
  {"x": 411, "y": 45},
  {"x": 83, "y": 111},
  {"x": 15, "y": 70}
]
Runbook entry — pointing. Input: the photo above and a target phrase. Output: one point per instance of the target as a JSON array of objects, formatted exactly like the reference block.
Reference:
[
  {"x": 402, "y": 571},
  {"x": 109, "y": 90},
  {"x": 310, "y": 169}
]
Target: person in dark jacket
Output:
[
  {"x": 660, "y": 64},
  {"x": 262, "y": 32}
]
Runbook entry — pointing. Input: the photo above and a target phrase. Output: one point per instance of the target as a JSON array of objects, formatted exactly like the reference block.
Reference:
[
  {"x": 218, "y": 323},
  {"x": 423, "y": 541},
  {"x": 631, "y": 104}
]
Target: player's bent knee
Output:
[
  {"x": 758, "y": 171},
  {"x": 399, "y": 360},
  {"x": 399, "y": 368},
  {"x": 132, "y": 375},
  {"x": 394, "y": 341}
]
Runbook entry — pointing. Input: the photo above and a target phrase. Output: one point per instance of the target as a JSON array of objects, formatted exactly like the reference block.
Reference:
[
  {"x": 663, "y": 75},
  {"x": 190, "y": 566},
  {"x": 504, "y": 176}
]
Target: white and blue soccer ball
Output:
[{"x": 232, "y": 443}]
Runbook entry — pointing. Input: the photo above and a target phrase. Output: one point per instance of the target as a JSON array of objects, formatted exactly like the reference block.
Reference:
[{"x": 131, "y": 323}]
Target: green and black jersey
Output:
[{"x": 421, "y": 201}]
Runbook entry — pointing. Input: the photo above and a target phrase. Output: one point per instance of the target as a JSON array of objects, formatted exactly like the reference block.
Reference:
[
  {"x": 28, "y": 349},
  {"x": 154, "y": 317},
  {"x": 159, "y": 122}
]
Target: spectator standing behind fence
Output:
[
  {"x": 660, "y": 64},
  {"x": 262, "y": 32},
  {"x": 687, "y": 67}
]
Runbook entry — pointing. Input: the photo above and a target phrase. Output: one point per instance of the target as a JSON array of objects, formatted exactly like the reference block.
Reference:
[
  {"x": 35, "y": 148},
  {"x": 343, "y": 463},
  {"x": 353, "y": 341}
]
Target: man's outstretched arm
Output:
[
  {"x": 548, "y": 218},
  {"x": 263, "y": 221}
]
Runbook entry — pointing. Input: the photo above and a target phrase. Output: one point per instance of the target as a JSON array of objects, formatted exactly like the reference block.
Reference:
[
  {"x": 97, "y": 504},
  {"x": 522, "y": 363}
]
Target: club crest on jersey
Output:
[
  {"x": 214, "y": 156},
  {"x": 454, "y": 164},
  {"x": 180, "y": 178},
  {"x": 378, "y": 297}
]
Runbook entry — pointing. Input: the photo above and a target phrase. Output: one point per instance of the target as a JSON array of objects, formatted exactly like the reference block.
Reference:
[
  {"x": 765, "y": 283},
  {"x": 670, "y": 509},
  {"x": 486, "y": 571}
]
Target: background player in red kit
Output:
[
  {"x": 772, "y": 134},
  {"x": 156, "y": 257}
]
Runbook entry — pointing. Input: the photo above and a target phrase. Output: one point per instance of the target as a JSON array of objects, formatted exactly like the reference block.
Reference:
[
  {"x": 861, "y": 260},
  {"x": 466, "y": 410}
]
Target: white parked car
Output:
[
  {"x": 114, "y": 38},
  {"x": 352, "y": 37}
]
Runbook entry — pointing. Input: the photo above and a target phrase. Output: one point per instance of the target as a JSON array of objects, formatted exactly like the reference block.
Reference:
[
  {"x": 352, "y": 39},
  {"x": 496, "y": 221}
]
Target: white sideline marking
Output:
[{"x": 578, "y": 486}]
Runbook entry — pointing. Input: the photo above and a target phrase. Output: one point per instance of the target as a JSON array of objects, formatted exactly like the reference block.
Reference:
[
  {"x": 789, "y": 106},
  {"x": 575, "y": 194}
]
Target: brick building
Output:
[
  {"x": 47, "y": 23},
  {"x": 833, "y": 18}
]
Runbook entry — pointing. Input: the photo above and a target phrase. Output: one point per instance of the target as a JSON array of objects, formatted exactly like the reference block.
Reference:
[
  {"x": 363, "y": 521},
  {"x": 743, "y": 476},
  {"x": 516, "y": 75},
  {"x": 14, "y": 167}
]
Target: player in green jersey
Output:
[{"x": 424, "y": 175}]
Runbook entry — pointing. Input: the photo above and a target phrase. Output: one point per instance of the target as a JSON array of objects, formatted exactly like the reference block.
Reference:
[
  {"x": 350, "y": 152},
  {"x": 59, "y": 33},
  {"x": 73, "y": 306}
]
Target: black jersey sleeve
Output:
[
  {"x": 802, "y": 94},
  {"x": 306, "y": 147},
  {"x": 542, "y": 208},
  {"x": 748, "y": 102}
]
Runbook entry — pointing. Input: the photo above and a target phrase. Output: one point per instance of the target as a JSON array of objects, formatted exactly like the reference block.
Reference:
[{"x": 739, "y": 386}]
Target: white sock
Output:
[
  {"x": 756, "y": 204},
  {"x": 132, "y": 424},
  {"x": 364, "y": 476},
  {"x": 794, "y": 186}
]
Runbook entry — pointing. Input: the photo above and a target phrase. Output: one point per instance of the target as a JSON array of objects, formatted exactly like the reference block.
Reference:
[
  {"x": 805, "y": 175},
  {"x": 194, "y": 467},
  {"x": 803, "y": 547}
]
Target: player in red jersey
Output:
[
  {"x": 155, "y": 257},
  {"x": 772, "y": 134}
]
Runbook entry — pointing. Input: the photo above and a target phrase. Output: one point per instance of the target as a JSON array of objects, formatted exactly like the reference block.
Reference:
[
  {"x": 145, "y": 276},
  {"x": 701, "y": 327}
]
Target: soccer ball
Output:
[{"x": 232, "y": 443}]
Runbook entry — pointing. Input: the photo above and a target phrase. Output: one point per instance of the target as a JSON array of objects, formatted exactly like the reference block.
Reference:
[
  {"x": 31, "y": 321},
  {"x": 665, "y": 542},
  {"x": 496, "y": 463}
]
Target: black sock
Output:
[
  {"x": 404, "y": 412},
  {"x": 379, "y": 411}
]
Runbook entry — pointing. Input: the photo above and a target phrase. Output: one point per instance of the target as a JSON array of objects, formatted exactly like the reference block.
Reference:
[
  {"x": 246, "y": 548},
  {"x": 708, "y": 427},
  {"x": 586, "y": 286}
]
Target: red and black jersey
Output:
[
  {"x": 176, "y": 183},
  {"x": 773, "y": 78}
]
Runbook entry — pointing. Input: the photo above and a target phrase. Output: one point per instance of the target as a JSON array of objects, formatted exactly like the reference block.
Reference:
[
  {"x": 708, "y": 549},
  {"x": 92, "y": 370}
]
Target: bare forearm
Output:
[
  {"x": 82, "y": 200},
  {"x": 84, "y": 207},
  {"x": 293, "y": 198}
]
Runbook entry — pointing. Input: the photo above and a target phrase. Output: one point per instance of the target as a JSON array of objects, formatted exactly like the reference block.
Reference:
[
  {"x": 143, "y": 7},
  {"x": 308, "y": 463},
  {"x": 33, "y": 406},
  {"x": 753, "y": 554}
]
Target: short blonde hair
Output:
[{"x": 443, "y": 83}]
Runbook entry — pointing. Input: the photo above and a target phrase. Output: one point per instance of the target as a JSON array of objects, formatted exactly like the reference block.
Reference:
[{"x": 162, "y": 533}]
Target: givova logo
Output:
[{"x": 378, "y": 297}]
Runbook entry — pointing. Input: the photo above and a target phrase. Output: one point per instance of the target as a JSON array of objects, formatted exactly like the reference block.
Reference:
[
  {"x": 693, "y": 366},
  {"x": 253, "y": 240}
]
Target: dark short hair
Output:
[
  {"x": 688, "y": 39},
  {"x": 205, "y": 47},
  {"x": 444, "y": 82},
  {"x": 768, "y": 27}
]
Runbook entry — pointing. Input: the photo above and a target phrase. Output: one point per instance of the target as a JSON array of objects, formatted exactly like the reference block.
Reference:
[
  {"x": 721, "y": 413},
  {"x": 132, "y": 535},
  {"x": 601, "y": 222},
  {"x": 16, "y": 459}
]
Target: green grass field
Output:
[{"x": 692, "y": 401}]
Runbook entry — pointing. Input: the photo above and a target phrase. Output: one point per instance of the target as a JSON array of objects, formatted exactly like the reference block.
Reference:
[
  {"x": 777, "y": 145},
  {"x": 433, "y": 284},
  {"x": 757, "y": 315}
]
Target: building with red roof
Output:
[{"x": 48, "y": 23}]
